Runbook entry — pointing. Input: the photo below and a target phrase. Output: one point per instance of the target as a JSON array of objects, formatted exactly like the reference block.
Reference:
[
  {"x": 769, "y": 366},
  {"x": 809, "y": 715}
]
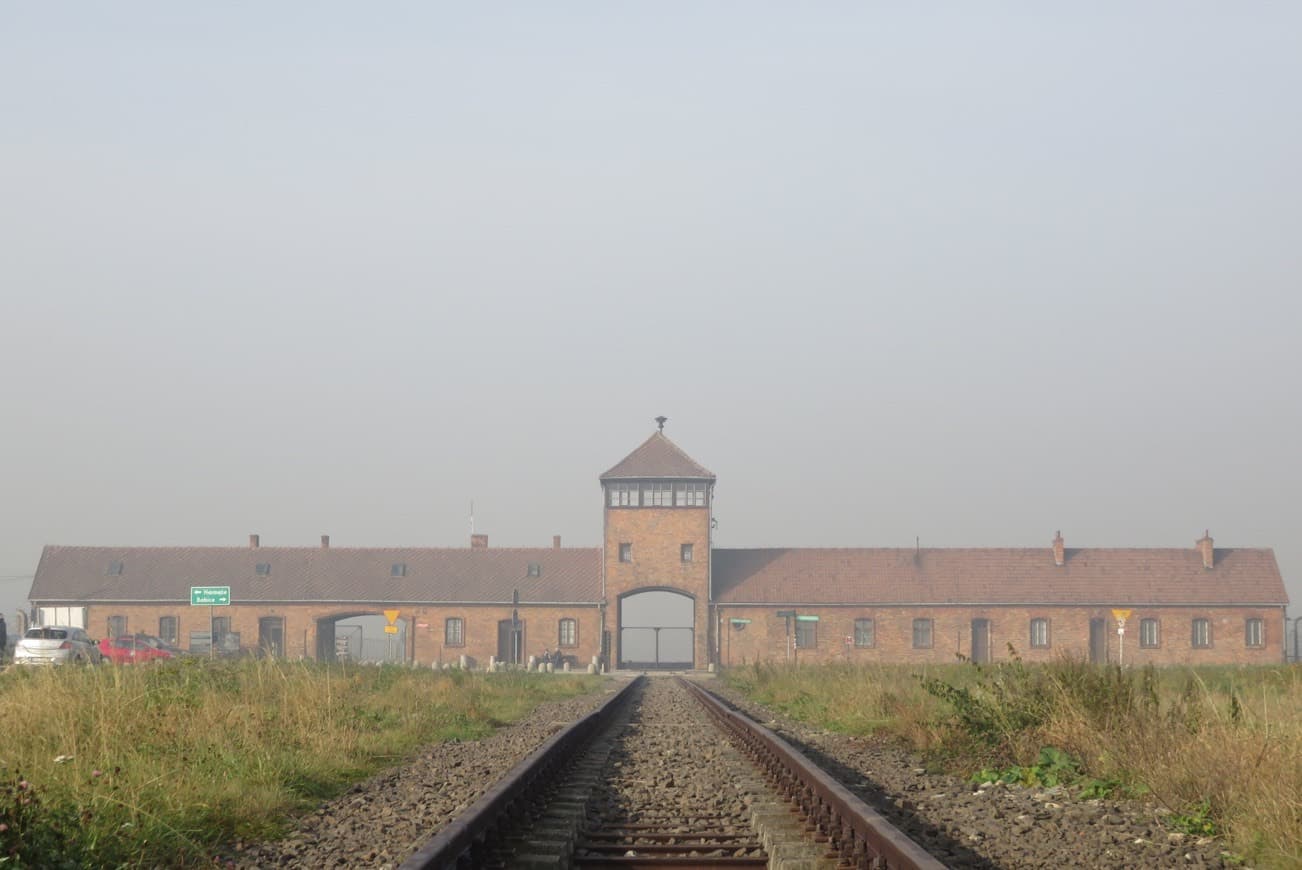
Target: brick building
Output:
[{"x": 657, "y": 594}]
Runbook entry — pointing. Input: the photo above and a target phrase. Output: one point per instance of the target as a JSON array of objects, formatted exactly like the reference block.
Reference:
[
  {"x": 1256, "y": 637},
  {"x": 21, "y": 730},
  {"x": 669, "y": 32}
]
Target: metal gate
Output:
[{"x": 657, "y": 630}]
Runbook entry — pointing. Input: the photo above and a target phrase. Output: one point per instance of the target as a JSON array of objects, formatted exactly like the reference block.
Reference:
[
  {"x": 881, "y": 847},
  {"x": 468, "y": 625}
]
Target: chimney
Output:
[
  {"x": 253, "y": 542},
  {"x": 1059, "y": 549},
  {"x": 1205, "y": 547},
  {"x": 556, "y": 542},
  {"x": 479, "y": 542},
  {"x": 325, "y": 542}
]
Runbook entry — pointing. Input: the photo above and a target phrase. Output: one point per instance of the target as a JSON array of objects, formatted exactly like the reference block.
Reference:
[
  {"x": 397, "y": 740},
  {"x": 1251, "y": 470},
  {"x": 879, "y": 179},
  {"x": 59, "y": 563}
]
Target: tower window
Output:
[
  {"x": 623, "y": 494},
  {"x": 658, "y": 494},
  {"x": 689, "y": 494},
  {"x": 685, "y": 552},
  {"x": 626, "y": 552}
]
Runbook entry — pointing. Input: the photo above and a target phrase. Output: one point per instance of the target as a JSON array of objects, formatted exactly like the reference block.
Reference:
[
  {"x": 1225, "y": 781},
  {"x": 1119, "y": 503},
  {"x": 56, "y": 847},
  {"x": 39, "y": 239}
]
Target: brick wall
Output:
[
  {"x": 540, "y": 624},
  {"x": 766, "y": 638},
  {"x": 657, "y": 535}
]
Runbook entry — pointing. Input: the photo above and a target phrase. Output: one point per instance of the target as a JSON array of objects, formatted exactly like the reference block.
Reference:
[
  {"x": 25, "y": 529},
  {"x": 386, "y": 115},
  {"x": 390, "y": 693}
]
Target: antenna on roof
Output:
[
  {"x": 472, "y": 516},
  {"x": 661, "y": 422}
]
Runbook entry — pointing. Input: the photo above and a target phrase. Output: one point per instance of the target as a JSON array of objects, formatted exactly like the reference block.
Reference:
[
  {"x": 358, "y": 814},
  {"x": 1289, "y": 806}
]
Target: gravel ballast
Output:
[{"x": 380, "y": 822}]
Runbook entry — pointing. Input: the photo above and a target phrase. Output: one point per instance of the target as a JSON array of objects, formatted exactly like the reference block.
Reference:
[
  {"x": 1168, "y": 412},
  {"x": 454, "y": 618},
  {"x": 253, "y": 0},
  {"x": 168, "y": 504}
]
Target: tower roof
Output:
[{"x": 658, "y": 457}]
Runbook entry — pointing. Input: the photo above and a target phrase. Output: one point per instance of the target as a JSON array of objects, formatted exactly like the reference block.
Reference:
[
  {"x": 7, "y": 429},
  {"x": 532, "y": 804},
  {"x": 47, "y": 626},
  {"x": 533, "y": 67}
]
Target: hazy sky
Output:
[{"x": 968, "y": 272}]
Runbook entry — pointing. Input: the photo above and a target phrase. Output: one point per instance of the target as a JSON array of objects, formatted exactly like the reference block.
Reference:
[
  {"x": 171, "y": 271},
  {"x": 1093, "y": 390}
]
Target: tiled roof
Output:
[
  {"x": 658, "y": 457},
  {"x": 308, "y": 574},
  {"x": 996, "y": 576}
]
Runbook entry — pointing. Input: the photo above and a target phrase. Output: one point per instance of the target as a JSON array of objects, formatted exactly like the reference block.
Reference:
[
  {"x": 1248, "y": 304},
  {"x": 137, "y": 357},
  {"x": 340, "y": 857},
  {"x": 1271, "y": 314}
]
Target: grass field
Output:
[
  {"x": 106, "y": 767},
  {"x": 1220, "y": 746}
]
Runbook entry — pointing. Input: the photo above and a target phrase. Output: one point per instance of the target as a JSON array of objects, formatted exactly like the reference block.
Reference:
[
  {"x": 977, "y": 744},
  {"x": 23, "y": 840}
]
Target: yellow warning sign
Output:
[
  {"x": 392, "y": 616},
  {"x": 1121, "y": 615},
  {"x": 391, "y": 629}
]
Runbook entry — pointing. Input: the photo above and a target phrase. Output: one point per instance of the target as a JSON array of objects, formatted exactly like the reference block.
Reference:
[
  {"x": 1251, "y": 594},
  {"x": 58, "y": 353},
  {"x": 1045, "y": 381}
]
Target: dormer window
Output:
[
  {"x": 114, "y": 569},
  {"x": 398, "y": 569},
  {"x": 535, "y": 569},
  {"x": 263, "y": 569}
]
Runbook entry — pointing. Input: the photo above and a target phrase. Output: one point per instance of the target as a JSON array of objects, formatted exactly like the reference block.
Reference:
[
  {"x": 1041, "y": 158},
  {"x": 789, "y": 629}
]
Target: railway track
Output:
[{"x": 665, "y": 775}]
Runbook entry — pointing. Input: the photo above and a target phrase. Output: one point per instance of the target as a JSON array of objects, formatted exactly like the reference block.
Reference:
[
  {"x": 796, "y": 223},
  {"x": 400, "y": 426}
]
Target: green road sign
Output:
[{"x": 210, "y": 595}]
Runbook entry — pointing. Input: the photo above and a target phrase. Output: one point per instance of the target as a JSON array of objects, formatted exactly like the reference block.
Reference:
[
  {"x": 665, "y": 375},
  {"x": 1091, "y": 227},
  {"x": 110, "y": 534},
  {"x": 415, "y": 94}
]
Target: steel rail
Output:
[
  {"x": 463, "y": 841},
  {"x": 856, "y": 833}
]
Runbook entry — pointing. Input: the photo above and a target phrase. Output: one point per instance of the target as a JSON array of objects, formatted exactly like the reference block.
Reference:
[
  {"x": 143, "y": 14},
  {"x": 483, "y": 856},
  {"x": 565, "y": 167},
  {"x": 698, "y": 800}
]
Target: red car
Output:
[{"x": 129, "y": 649}]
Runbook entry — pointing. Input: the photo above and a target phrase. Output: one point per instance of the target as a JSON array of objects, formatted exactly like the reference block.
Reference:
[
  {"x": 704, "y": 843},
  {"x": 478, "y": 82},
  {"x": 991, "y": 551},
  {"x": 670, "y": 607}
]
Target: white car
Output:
[{"x": 56, "y": 645}]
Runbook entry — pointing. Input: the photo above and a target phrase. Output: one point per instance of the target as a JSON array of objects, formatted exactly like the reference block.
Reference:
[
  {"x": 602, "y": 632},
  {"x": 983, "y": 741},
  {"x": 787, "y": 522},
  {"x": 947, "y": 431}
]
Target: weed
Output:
[{"x": 1196, "y": 820}]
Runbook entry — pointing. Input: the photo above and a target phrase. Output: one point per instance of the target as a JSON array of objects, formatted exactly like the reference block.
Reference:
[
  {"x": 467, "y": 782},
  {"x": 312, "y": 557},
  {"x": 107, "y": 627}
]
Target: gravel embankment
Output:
[
  {"x": 991, "y": 827},
  {"x": 382, "y": 821}
]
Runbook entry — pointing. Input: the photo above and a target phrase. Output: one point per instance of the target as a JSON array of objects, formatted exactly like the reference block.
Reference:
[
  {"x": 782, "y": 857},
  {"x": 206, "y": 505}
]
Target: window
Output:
[
  {"x": 1254, "y": 632},
  {"x": 689, "y": 495},
  {"x": 114, "y": 569},
  {"x": 535, "y": 569},
  {"x": 1202, "y": 633},
  {"x": 1039, "y": 633},
  {"x": 806, "y": 634},
  {"x": 865, "y": 633},
  {"x": 117, "y": 626},
  {"x": 398, "y": 569},
  {"x": 685, "y": 552},
  {"x": 167, "y": 628},
  {"x": 623, "y": 494},
  {"x": 922, "y": 633},
  {"x": 568, "y": 634},
  {"x": 263, "y": 569},
  {"x": 658, "y": 494},
  {"x": 1150, "y": 636},
  {"x": 626, "y": 552},
  {"x": 453, "y": 632}
]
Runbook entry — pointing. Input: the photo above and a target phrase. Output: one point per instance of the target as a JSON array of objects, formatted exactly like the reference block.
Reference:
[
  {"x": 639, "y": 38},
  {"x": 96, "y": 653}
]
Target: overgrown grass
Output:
[
  {"x": 1221, "y": 747},
  {"x": 157, "y": 765}
]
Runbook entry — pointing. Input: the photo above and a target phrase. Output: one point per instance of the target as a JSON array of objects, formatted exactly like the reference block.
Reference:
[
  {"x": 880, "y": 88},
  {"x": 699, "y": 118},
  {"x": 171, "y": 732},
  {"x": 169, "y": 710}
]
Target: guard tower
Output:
[{"x": 656, "y": 561}]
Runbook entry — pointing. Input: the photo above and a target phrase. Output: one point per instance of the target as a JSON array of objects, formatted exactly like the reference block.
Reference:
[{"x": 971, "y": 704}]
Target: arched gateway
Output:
[{"x": 657, "y": 630}]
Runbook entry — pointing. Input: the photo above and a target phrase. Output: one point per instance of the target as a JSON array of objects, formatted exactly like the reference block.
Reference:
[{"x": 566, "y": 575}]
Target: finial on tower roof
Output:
[{"x": 661, "y": 422}]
